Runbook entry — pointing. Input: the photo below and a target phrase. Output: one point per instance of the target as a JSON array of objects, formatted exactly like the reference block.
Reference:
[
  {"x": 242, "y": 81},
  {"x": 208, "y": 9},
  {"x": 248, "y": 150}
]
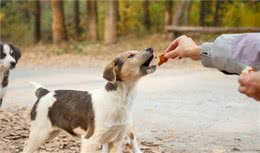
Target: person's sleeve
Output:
[{"x": 229, "y": 52}]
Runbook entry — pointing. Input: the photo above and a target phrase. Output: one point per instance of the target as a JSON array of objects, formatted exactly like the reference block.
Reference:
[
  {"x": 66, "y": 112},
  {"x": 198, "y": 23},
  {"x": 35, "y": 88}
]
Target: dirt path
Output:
[{"x": 187, "y": 111}]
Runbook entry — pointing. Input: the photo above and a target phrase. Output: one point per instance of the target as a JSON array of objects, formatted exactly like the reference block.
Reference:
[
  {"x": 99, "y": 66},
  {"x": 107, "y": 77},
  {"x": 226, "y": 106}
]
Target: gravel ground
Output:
[{"x": 177, "y": 110}]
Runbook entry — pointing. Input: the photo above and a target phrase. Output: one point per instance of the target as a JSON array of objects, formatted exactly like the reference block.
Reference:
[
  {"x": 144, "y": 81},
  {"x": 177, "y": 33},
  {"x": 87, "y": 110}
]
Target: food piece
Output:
[
  {"x": 247, "y": 70},
  {"x": 162, "y": 60}
]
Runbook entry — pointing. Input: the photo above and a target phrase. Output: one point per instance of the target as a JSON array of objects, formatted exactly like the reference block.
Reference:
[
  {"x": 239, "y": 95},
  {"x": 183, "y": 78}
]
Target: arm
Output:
[{"x": 225, "y": 53}]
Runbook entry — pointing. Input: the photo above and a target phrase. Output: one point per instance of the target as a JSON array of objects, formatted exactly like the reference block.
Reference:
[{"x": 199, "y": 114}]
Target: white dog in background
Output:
[{"x": 9, "y": 56}]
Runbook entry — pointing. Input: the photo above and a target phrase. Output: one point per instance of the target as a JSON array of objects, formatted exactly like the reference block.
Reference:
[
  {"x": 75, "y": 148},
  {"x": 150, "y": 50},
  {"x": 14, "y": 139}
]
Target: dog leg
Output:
[
  {"x": 105, "y": 148},
  {"x": 39, "y": 134},
  {"x": 88, "y": 146},
  {"x": 134, "y": 142},
  {"x": 115, "y": 147},
  {"x": 36, "y": 139}
]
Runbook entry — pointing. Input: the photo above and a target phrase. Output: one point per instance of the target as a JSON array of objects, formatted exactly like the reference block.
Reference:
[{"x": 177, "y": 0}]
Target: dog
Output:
[
  {"x": 101, "y": 117},
  {"x": 9, "y": 56}
]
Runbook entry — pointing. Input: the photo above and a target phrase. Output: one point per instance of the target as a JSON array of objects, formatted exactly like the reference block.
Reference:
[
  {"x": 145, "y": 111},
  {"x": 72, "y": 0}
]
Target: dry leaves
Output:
[{"x": 14, "y": 131}]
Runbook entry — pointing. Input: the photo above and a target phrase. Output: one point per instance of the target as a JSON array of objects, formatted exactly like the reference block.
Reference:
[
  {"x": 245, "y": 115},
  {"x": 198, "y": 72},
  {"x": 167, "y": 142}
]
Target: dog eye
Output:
[
  {"x": 130, "y": 56},
  {"x": 2, "y": 55}
]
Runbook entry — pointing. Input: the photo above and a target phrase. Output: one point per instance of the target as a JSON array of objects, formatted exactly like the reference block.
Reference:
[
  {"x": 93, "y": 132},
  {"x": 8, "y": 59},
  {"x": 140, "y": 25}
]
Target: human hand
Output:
[
  {"x": 250, "y": 84},
  {"x": 183, "y": 47}
]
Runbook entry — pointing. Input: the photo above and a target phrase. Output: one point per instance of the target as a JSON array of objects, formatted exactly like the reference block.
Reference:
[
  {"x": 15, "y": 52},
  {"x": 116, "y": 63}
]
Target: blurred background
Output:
[
  {"x": 183, "y": 107},
  {"x": 52, "y": 21}
]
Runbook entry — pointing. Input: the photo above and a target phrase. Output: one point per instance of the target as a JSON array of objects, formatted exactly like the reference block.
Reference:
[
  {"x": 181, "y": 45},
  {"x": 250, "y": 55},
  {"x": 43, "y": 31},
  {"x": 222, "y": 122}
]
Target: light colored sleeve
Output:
[{"x": 218, "y": 55}]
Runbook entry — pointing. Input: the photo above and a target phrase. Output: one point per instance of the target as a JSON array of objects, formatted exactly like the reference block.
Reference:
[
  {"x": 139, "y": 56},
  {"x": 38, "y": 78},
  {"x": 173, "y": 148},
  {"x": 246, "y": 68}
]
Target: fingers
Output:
[
  {"x": 247, "y": 87},
  {"x": 172, "y": 46},
  {"x": 256, "y": 97},
  {"x": 243, "y": 80},
  {"x": 242, "y": 89},
  {"x": 173, "y": 54}
]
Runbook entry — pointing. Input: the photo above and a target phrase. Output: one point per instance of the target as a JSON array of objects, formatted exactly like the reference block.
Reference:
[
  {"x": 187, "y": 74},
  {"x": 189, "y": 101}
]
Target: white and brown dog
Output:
[
  {"x": 100, "y": 117},
  {"x": 9, "y": 56}
]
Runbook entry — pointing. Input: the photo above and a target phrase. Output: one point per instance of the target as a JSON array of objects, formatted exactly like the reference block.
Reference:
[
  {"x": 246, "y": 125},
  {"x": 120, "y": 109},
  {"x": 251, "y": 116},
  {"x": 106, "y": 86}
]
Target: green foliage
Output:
[
  {"x": 241, "y": 14},
  {"x": 17, "y": 17},
  {"x": 157, "y": 15},
  {"x": 195, "y": 13},
  {"x": 130, "y": 16},
  {"x": 15, "y": 21}
]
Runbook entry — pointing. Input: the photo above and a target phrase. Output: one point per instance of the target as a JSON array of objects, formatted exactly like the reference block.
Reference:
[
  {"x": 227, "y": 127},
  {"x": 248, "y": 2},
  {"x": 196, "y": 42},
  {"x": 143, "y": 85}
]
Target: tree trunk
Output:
[
  {"x": 179, "y": 13},
  {"x": 203, "y": 10},
  {"x": 58, "y": 21},
  {"x": 187, "y": 12},
  {"x": 147, "y": 22},
  {"x": 168, "y": 13},
  {"x": 37, "y": 21},
  {"x": 117, "y": 11},
  {"x": 76, "y": 19},
  {"x": 92, "y": 20},
  {"x": 110, "y": 33},
  {"x": 217, "y": 13}
]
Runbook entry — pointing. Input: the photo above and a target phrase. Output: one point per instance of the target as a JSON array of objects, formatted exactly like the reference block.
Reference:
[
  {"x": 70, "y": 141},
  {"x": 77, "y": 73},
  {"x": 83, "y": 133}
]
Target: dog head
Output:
[
  {"x": 130, "y": 66},
  {"x": 9, "y": 55}
]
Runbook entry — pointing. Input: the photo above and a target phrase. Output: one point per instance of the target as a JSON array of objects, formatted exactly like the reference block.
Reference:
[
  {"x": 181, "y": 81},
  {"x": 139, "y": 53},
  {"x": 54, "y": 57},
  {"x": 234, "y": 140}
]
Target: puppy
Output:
[
  {"x": 99, "y": 117},
  {"x": 9, "y": 56}
]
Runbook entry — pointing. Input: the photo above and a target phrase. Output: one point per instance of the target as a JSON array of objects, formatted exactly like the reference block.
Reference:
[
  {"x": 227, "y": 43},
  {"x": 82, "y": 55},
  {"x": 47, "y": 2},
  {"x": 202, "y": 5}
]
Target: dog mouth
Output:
[
  {"x": 147, "y": 62},
  {"x": 148, "y": 66}
]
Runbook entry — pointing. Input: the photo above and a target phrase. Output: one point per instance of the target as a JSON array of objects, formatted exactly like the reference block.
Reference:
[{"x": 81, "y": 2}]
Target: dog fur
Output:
[
  {"x": 101, "y": 117},
  {"x": 9, "y": 56}
]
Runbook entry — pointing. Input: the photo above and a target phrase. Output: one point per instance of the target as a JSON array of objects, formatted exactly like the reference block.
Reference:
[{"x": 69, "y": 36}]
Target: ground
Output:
[{"x": 181, "y": 108}]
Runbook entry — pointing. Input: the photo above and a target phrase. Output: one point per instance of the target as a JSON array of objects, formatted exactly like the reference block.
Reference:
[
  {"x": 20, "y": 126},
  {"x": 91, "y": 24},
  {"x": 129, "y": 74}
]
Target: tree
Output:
[
  {"x": 187, "y": 9},
  {"x": 76, "y": 19},
  {"x": 205, "y": 10},
  {"x": 37, "y": 21},
  {"x": 202, "y": 12},
  {"x": 217, "y": 13},
  {"x": 110, "y": 33},
  {"x": 147, "y": 22},
  {"x": 124, "y": 16},
  {"x": 179, "y": 13},
  {"x": 92, "y": 20},
  {"x": 58, "y": 21},
  {"x": 168, "y": 12}
]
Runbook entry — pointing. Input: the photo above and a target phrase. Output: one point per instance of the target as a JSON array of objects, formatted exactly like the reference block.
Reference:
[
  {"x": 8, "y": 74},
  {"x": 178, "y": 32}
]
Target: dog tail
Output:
[{"x": 39, "y": 89}]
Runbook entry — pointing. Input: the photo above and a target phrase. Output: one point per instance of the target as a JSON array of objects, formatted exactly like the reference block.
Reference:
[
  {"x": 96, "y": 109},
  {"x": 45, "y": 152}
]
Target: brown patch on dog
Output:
[
  {"x": 73, "y": 109},
  {"x": 131, "y": 135},
  {"x": 110, "y": 86}
]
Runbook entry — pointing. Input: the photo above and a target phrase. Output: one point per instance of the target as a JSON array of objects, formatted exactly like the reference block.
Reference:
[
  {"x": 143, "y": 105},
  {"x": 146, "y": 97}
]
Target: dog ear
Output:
[
  {"x": 17, "y": 53},
  {"x": 110, "y": 72}
]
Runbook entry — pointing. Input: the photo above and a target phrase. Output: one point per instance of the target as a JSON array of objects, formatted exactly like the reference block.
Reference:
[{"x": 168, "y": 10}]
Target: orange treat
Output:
[{"x": 162, "y": 59}]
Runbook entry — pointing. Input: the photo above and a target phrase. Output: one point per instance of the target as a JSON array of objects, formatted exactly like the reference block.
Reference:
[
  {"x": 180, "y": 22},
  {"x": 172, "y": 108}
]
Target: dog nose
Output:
[
  {"x": 149, "y": 50},
  {"x": 13, "y": 64}
]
